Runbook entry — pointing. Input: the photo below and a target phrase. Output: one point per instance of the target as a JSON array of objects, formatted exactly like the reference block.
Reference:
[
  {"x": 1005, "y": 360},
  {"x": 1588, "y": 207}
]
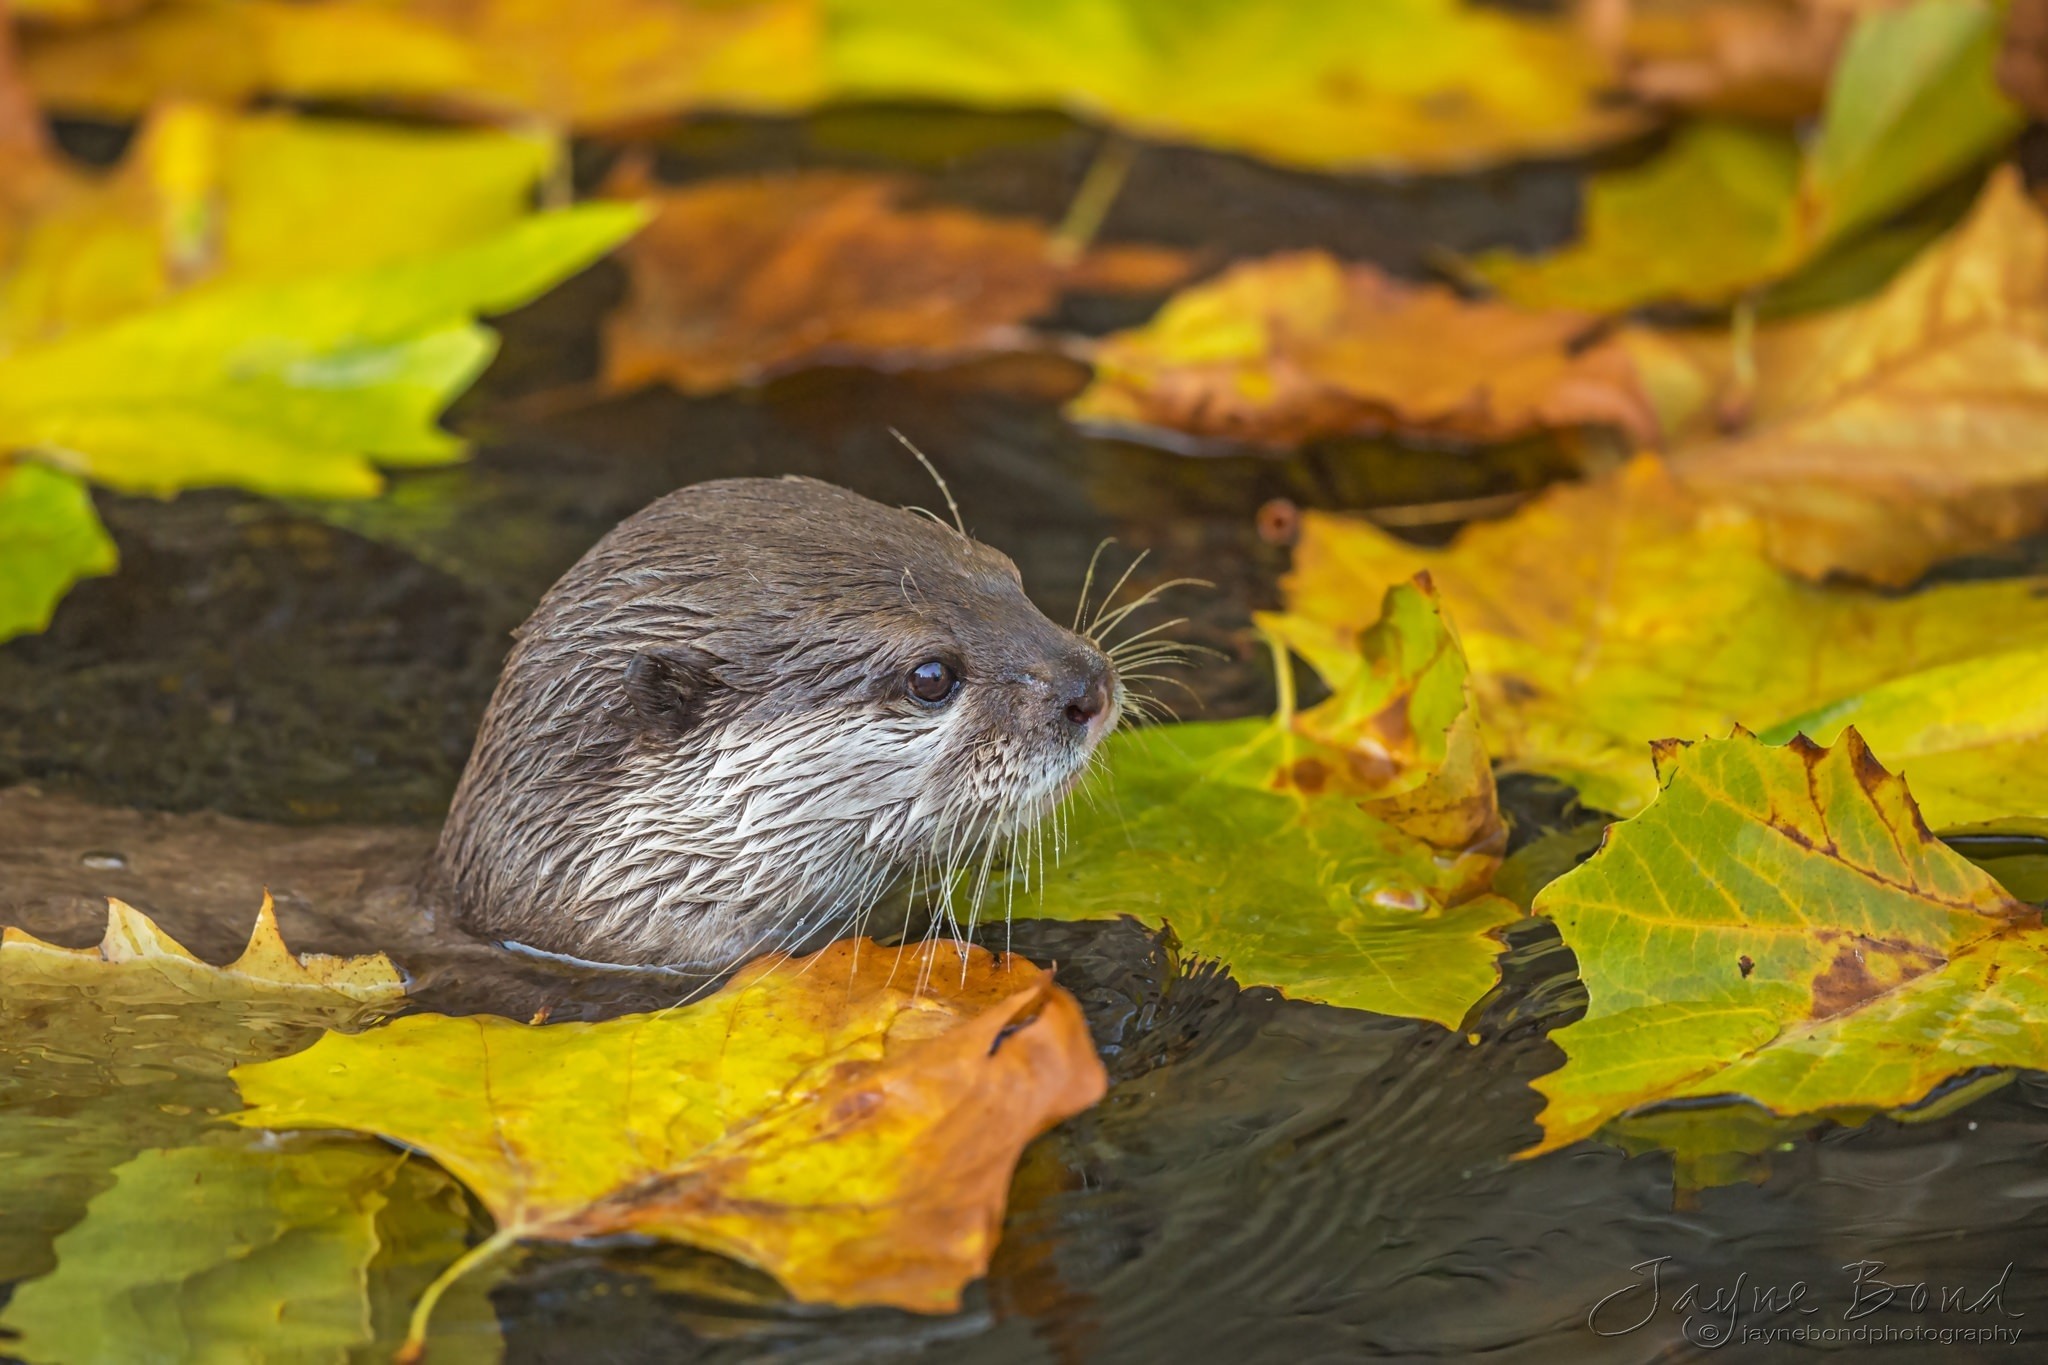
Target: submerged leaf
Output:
[
  {"x": 50, "y": 537},
  {"x": 1408, "y": 84},
  {"x": 1604, "y": 616},
  {"x": 735, "y": 281},
  {"x": 216, "y": 1253},
  {"x": 847, "y": 1122},
  {"x": 1883, "y": 437},
  {"x": 1730, "y": 206},
  {"x": 1298, "y": 346},
  {"x": 107, "y": 1050},
  {"x": 1780, "y": 925},
  {"x": 1340, "y": 859}
]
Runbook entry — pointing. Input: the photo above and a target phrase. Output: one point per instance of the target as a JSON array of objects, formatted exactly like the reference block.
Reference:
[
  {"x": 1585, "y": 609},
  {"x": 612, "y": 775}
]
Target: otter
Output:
[{"x": 746, "y": 712}]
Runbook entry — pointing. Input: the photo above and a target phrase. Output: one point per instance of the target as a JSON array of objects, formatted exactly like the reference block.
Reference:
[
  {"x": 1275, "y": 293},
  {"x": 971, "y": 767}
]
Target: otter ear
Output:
[{"x": 667, "y": 689}]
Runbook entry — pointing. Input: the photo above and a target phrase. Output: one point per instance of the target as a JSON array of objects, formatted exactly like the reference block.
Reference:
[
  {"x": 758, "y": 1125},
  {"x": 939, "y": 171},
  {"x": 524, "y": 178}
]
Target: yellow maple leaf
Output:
[
  {"x": 1880, "y": 438},
  {"x": 1780, "y": 925},
  {"x": 1604, "y": 616},
  {"x": 847, "y": 1122}
]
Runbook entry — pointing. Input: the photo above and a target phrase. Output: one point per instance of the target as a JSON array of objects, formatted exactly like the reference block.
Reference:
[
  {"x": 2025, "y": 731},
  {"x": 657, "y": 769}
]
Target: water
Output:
[{"x": 283, "y": 695}]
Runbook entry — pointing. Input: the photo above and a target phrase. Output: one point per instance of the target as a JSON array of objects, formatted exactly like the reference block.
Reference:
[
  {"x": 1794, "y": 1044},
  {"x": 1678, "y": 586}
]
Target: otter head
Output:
[{"x": 746, "y": 711}]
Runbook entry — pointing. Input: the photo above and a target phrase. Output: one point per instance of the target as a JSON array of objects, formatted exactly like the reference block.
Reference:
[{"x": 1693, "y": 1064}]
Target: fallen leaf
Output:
[
  {"x": 1881, "y": 438},
  {"x": 1765, "y": 59},
  {"x": 1283, "y": 350},
  {"x": 203, "y": 196},
  {"x": 288, "y": 388},
  {"x": 1207, "y": 828},
  {"x": 50, "y": 537},
  {"x": 1731, "y": 206},
  {"x": 738, "y": 280},
  {"x": 2023, "y": 60},
  {"x": 847, "y": 1122},
  {"x": 1603, "y": 616},
  {"x": 1340, "y": 855},
  {"x": 1972, "y": 735},
  {"x": 1400, "y": 713},
  {"x": 1881, "y": 963},
  {"x": 1399, "y": 84},
  {"x": 108, "y": 1050},
  {"x": 134, "y": 950},
  {"x": 584, "y": 65},
  {"x": 231, "y": 1253}
]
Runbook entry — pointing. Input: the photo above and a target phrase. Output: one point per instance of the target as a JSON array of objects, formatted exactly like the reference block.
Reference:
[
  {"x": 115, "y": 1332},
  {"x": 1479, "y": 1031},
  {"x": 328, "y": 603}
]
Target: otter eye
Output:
[{"x": 932, "y": 682}]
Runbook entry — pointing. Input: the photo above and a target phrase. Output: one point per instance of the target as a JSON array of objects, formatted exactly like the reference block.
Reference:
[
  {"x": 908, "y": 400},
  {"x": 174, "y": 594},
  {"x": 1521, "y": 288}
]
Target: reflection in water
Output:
[{"x": 1269, "y": 1180}]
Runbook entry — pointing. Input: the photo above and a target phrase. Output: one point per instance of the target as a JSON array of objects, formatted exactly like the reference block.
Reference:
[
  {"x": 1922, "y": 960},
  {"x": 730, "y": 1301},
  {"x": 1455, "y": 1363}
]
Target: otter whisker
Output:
[
  {"x": 1130, "y": 640},
  {"x": 959, "y": 523},
  {"x": 1094, "y": 631},
  {"x": 1088, "y": 579},
  {"x": 1102, "y": 629}
]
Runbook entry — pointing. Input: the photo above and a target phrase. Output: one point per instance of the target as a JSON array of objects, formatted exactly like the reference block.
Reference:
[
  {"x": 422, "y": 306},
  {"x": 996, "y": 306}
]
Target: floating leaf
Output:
[
  {"x": 1408, "y": 84},
  {"x": 1298, "y": 346},
  {"x": 288, "y": 388},
  {"x": 847, "y": 1122},
  {"x": 583, "y": 64},
  {"x": 203, "y": 196},
  {"x": 1341, "y": 859},
  {"x": 107, "y": 1050},
  {"x": 219, "y": 1253},
  {"x": 1604, "y": 616},
  {"x": 50, "y": 537},
  {"x": 1883, "y": 437},
  {"x": 1780, "y": 925},
  {"x": 738, "y": 280},
  {"x": 1198, "y": 830},
  {"x": 1730, "y": 206},
  {"x": 1400, "y": 717}
]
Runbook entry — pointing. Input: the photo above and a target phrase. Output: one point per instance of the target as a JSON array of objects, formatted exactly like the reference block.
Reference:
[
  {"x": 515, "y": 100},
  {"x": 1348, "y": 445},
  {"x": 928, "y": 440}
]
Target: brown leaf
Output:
[
  {"x": 1298, "y": 346},
  {"x": 1767, "y": 59},
  {"x": 2023, "y": 60},
  {"x": 738, "y": 280}
]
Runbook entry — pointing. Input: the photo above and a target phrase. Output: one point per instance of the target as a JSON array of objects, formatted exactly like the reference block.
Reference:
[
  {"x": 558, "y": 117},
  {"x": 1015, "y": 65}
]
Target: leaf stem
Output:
[
  {"x": 1100, "y": 186},
  {"x": 415, "y": 1348}
]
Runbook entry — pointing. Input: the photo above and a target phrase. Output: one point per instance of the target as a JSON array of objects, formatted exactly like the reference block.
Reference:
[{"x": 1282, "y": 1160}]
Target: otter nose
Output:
[{"x": 1090, "y": 697}]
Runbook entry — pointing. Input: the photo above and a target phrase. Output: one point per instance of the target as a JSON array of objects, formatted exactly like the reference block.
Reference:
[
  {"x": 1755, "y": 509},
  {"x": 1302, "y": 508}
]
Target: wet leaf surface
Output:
[
  {"x": 847, "y": 1122},
  {"x": 106, "y": 1051},
  {"x": 1346, "y": 863},
  {"x": 195, "y": 1246},
  {"x": 736, "y": 281},
  {"x": 1295, "y": 347},
  {"x": 1780, "y": 925},
  {"x": 1603, "y": 617}
]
